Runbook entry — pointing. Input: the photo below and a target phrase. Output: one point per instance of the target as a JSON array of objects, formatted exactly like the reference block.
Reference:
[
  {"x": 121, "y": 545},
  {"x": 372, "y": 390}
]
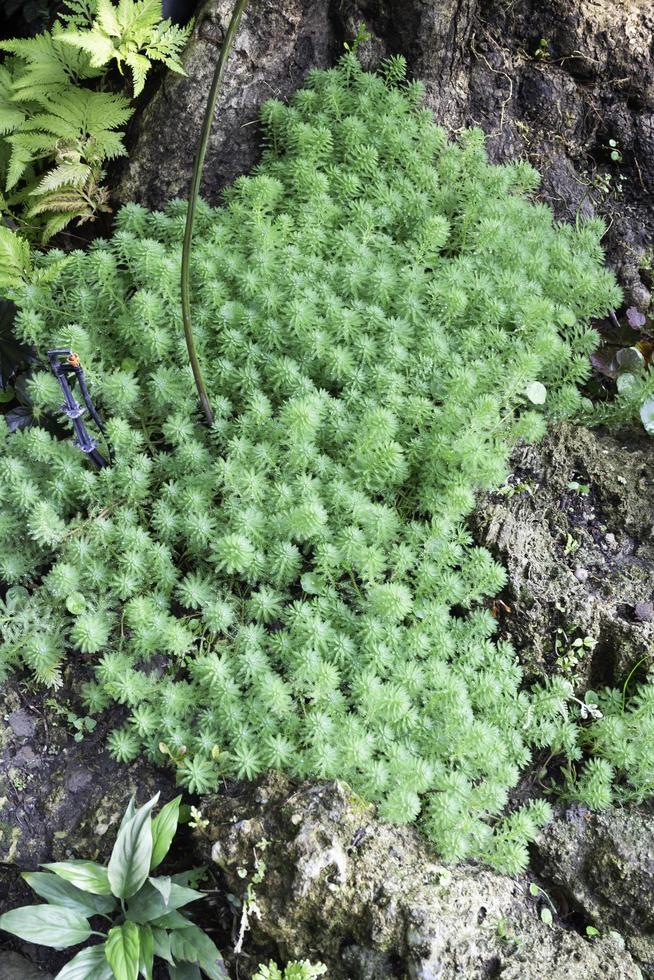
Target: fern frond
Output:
[
  {"x": 80, "y": 13},
  {"x": 11, "y": 115},
  {"x": 58, "y": 222},
  {"x": 168, "y": 44},
  {"x": 20, "y": 159},
  {"x": 80, "y": 113},
  {"x": 15, "y": 260},
  {"x": 69, "y": 200},
  {"x": 140, "y": 66},
  {"x": 133, "y": 34},
  {"x": 71, "y": 172},
  {"x": 46, "y": 64},
  {"x": 97, "y": 46}
]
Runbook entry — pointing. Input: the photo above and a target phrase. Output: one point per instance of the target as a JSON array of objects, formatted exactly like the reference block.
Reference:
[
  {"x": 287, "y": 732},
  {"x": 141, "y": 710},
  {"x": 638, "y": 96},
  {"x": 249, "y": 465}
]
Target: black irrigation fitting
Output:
[{"x": 65, "y": 363}]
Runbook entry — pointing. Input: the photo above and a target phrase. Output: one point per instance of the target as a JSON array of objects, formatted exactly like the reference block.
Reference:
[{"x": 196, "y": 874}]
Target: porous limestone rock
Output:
[
  {"x": 604, "y": 863},
  {"x": 373, "y": 903},
  {"x": 579, "y": 501}
]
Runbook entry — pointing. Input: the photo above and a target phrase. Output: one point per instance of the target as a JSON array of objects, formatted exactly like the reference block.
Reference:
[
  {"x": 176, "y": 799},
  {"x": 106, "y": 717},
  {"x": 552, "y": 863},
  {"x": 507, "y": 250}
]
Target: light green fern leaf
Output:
[
  {"x": 70, "y": 172},
  {"x": 131, "y": 33},
  {"x": 98, "y": 46},
  {"x": 58, "y": 222},
  {"x": 140, "y": 66},
  {"x": 46, "y": 65},
  {"x": 15, "y": 261},
  {"x": 168, "y": 44},
  {"x": 79, "y": 14},
  {"x": 80, "y": 114},
  {"x": 11, "y": 115}
]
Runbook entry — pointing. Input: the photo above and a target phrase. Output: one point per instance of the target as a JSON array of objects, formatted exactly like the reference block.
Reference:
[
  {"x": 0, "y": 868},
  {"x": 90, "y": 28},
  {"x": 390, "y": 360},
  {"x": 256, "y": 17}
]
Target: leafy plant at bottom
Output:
[{"x": 142, "y": 910}]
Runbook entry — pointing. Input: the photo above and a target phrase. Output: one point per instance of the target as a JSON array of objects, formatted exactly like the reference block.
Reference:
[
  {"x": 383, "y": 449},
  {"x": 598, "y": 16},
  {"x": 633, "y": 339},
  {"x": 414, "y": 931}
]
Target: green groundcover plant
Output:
[
  {"x": 140, "y": 912},
  {"x": 380, "y": 315}
]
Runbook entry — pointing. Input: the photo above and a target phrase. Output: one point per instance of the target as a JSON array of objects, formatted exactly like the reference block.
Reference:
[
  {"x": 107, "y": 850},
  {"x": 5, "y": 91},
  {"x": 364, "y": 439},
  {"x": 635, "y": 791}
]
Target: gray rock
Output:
[
  {"x": 79, "y": 780},
  {"x": 279, "y": 41},
  {"x": 604, "y": 862},
  {"x": 26, "y": 758},
  {"x": 22, "y": 723},
  {"x": 373, "y": 903},
  {"x": 529, "y": 533},
  {"x": 644, "y": 611},
  {"x": 13, "y": 966}
]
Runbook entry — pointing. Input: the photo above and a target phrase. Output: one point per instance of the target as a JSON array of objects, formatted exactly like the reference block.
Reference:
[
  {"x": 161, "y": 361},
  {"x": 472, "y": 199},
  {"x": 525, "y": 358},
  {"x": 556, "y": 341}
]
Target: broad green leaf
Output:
[
  {"x": 172, "y": 920},
  {"x": 129, "y": 864},
  {"x": 86, "y": 875},
  {"x": 146, "y": 952},
  {"x": 190, "y": 878},
  {"x": 90, "y": 964},
  {"x": 184, "y": 971},
  {"x": 195, "y": 946},
  {"x": 163, "y": 886},
  {"x": 47, "y": 925},
  {"x": 129, "y": 811},
  {"x": 58, "y": 891},
  {"x": 150, "y": 904},
  {"x": 161, "y": 940},
  {"x": 164, "y": 827},
  {"x": 122, "y": 951}
]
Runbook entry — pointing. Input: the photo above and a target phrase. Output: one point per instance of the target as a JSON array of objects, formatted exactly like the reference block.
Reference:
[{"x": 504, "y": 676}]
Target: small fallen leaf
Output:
[{"x": 536, "y": 392}]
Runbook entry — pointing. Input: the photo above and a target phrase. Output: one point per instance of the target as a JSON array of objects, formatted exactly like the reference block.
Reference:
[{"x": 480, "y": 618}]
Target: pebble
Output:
[
  {"x": 644, "y": 611},
  {"x": 79, "y": 779},
  {"x": 581, "y": 574},
  {"x": 26, "y": 758},
  {"x": 21, "y": 723},
  {"x": 610, "y": 540}
]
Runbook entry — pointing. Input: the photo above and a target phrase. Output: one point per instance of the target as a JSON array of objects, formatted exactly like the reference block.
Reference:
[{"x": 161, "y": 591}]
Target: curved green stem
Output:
[{"x": 194, "y": 192}]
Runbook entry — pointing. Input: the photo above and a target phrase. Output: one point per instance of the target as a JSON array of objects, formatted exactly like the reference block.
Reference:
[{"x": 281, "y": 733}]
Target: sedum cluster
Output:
[{"x": 376, "y": 309}]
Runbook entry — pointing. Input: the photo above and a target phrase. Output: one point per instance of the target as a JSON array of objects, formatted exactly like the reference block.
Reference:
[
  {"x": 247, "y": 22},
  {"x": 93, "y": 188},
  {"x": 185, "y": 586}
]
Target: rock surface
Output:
[
  {"x": 604, "y": 862},
  {"x": 550, "y": 82},
  {"x": 13, "y": 966},
  {"x": 278, "y": 43},
  {"x": 573, "y": 527},
  {"x": 372, "y": 902}
]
